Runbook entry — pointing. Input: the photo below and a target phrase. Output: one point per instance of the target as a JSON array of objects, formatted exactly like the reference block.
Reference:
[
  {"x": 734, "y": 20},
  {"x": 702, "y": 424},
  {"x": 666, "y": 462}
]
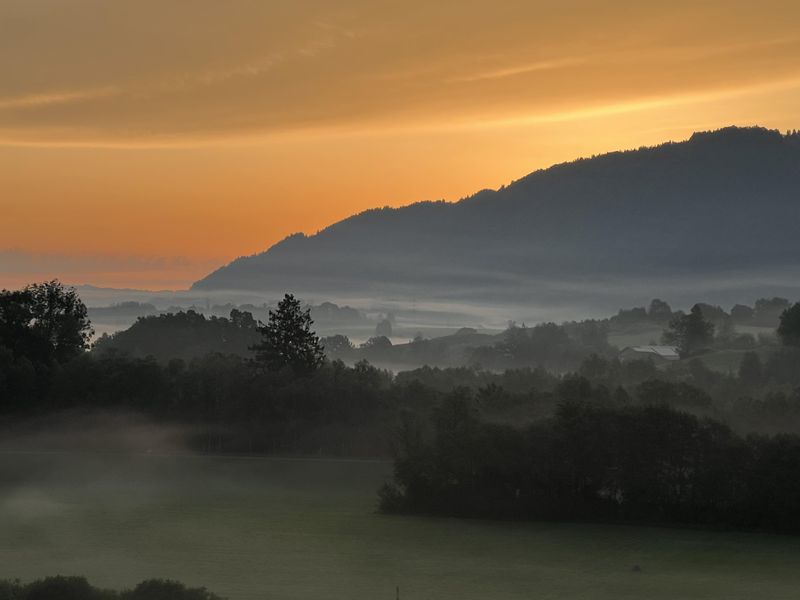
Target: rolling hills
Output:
[{"x": 720, "y": 210}]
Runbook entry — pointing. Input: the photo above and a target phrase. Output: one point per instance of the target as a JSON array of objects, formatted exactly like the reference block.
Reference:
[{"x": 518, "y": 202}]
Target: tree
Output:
[
  {"x": 789, "y": 327},
  {"x": 742, "y": 314},
  {"x": 337, "y": 345},
  {"x": 44, "y": 322},
  {"x": 185, "y": 335},
  {"x": 751, "y": 371},
  {"x": 768, "y": 310},
  {"x": 689, "y": 333},
  {"x": 68, "y": 588},
  {"x": 288, "y": 340},
  {"x": 160, "y": 589},
  {"x": 378, "y": 342},
  {"x": 659, "y": 311},
  {"x": 656, "y": 392},
  {"x": 726, "y": 331},
  {"x": 243, "y": 319},
  {"x": 78, "y": 588}
]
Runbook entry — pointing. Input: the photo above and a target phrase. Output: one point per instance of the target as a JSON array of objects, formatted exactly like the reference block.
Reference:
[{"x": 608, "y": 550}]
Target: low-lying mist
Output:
[{"x": 98, "y": 431}]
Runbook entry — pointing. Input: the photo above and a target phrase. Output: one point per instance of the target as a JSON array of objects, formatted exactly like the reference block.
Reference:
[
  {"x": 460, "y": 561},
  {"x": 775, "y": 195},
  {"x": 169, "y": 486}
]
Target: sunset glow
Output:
[{"x": 142, "y": 145}]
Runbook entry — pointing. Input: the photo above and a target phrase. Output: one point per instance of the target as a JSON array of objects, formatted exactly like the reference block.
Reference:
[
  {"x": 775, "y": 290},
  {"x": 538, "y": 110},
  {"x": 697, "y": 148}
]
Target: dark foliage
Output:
[
  {"x": 690, "y": 333},
  {"x": 659, "y": 311},
  {"x": 751, "y": 370},
  {"x": 41, "y": 327},
  {"x": 160, "y": 589},
  {"x": 183, "y": 335},
  {"x": 598, "y": 460},
  {"x": 556, "y": 347},
  {"x": 337, "y": 345},
  {"x": 44, "y": 322},
  {"x": 288, "y": 340},
  {"x": 789, "y": 327},
  {"x": 767, "y": 311},
  {"x": 78, "y": 588}
]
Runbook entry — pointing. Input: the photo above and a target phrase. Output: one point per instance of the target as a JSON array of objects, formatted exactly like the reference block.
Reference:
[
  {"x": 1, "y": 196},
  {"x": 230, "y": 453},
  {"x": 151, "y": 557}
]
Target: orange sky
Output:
[{"x": 142, "y": 144}]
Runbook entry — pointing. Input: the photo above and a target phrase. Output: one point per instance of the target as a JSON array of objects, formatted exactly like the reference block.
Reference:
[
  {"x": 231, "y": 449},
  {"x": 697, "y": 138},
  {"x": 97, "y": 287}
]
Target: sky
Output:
[{"x": 144, "y": 143}]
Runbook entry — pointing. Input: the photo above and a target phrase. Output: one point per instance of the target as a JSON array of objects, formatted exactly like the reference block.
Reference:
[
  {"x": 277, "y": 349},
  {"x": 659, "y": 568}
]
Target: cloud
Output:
[
  {"x": 645, "y": 104},
  {"x": 513, "y": 71},
  {"x": 114, "y": 74},
  {"x": 18, "y": 268},
  {"x": 48, "y": 98}
]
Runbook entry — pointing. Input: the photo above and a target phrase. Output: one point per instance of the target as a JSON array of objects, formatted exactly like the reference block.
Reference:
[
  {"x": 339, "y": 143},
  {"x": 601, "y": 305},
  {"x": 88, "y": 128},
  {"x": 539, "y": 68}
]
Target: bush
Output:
[
  {"x": 159, "y": 589},
  {"x": 592, "y": 461},
  {"x": 78, "y": 588}
]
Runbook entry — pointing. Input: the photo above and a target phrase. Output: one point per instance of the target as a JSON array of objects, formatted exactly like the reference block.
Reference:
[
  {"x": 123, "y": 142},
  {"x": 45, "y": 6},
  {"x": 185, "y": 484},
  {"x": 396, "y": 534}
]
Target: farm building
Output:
[{"x": 656, "y": 353}]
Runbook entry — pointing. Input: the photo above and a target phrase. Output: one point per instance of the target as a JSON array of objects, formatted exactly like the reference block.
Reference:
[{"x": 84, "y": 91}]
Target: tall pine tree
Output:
[{"x": 289, "y": 341}]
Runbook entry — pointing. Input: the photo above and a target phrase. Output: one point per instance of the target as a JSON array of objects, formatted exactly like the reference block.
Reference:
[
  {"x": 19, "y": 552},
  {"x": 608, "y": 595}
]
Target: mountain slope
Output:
[{"x": 724, "y": 201}]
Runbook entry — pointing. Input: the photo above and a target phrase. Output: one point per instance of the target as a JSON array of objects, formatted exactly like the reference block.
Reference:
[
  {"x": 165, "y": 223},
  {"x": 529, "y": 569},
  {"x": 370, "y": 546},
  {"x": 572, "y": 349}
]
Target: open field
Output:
[
  {"x": 635, "y": 334},
  {"x": 307, "y": 529},
  {"x": 728, "y": 361}
]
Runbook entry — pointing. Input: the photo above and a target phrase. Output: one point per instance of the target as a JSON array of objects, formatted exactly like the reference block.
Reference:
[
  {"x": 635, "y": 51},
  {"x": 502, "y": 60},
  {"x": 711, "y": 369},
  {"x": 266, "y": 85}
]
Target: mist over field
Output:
[
  {"x": 487, "y": 300},
  {"x": 449, "y": 373},
  {"x": 308, "y": 528}
]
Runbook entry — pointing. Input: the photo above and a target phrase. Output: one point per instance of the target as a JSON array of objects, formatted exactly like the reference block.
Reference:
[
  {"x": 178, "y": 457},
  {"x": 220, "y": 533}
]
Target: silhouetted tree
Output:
[
  {"x": 66, "y": 588},
  {"x": 160, "y": 589},
  {"x": 789, "y": 327},
  {"x": 690, "y": 333},
  {"x": 337, "y": 345},
  {"x": 781, "y": 366},
  {"x": 243, "y": 319},
  {"x": 659, "y": 311},
  {"x": 648, "y": 463},
  {"x": 742, "y": 314},
  {"x": 656, "y": 392},
  {"x": 185, "y": 335},
  {"x": 378, "y": 342},
  {"x": 44, "y": 323},
  {"x": 288, "y": 340},
  {"x": 768, "y": 310},
  {"x": 78, "y": 588},
  {"x": 751, "y": 371}
]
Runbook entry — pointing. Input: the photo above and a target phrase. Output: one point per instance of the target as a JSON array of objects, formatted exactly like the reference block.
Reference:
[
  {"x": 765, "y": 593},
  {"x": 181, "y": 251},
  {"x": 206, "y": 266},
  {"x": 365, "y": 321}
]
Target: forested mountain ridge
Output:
[{"x": 722, "y": 200}]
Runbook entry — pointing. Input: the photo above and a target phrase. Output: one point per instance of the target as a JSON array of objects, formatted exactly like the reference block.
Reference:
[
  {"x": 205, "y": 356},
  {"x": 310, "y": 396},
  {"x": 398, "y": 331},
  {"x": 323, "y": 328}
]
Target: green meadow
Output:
[{"x": 260, "y": 528}]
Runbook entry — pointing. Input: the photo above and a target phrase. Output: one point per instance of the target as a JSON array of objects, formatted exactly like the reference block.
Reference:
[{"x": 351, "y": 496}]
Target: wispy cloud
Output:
[
  {"x": 231, "y": 75},
  {"x": 40, "y": 99},
  {"x": 523, "y": 69},
  {"x": 598, "y": 110},
  {"x": 649, "y": 103}
]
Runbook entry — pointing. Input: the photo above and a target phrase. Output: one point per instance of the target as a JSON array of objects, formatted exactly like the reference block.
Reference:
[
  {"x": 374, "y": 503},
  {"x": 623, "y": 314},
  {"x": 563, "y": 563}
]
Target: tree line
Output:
[
  {"x": 597, "y": 459},
  {"x": 45, "y": 366},
  {"x": 614, "y": 440},
  {"x": 78, "y": 588}
]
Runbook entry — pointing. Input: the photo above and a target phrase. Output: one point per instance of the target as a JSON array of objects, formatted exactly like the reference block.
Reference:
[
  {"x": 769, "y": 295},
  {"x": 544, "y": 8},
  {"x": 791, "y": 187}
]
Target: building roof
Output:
[{"x": 665, "y": 352}]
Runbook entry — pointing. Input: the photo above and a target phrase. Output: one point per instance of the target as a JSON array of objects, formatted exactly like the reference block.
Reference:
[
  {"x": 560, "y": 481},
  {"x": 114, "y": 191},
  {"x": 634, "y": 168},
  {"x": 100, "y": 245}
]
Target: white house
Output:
[{"x": 656, "y": 353}]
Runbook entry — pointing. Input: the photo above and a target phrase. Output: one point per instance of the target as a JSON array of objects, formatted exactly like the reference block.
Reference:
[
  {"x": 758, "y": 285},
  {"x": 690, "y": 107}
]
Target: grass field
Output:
[
  {"x": 636, "y": 334},
  {"x": 296, "y": 529}
]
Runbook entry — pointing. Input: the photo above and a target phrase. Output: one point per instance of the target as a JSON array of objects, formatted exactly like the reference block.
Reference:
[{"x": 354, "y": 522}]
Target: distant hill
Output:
[{"x": 722, "y": 204}]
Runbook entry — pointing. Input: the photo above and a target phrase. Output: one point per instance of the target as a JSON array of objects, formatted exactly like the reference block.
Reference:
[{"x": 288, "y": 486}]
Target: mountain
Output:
[{"x": 721, "y": 206}]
